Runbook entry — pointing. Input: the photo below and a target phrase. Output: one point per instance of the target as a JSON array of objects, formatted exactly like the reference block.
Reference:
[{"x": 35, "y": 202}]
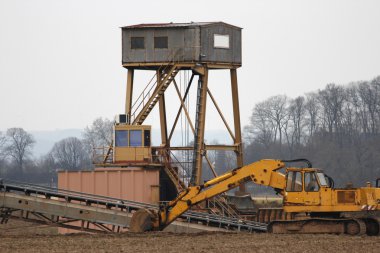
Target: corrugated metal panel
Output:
[
  {"x": 182, "y": 45},
  {"x": 188, "y": 42},
  {"x": 223, "y": 55}
]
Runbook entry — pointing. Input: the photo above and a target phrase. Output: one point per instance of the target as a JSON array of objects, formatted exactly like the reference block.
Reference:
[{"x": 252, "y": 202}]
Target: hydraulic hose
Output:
[{"x": 309, "y": 165}]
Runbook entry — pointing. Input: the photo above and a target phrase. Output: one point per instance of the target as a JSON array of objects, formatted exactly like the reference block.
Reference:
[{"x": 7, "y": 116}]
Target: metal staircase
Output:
[
  {"x": 168, "y": 74},
  {"x": 172, "y": 172}
]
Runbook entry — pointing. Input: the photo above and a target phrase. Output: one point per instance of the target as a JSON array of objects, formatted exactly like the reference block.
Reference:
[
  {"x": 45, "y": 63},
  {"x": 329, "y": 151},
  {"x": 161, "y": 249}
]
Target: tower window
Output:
[
  {"x": 221, "y": 41},
  {"x": 121, "y": 138},
  {"x": 137, "y": 43},
  {"x": 160, "y": 42},
  {"x": 135, "y": 139}
]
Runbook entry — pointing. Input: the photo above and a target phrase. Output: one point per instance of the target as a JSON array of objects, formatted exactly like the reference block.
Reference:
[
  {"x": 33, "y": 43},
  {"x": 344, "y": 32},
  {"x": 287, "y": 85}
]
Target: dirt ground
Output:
[{"x": 18, "y": 236}]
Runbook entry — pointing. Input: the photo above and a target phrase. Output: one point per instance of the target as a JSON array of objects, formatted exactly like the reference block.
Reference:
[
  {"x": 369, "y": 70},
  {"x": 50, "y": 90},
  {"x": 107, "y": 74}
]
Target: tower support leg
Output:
[
  {"x": 237, "y": 126},
  {"x": 199, "y": 147},
  {"x": 162, "y": 109},
  {"x": 129, "y": 92}
]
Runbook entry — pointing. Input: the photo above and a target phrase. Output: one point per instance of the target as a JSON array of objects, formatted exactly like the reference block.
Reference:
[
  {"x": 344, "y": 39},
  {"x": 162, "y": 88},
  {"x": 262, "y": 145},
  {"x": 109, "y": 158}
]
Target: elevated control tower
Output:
[{"x": 166, "y": 50}]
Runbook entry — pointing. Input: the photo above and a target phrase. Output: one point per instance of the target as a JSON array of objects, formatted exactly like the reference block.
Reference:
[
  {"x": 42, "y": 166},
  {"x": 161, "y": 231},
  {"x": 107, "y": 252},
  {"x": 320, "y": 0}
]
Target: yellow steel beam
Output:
[
  {"x": 129, "y": 92},
  {"x": 237, "y": 126},
  {"x": 162, "y": 109},
  {"x": 263, "y": 172}
]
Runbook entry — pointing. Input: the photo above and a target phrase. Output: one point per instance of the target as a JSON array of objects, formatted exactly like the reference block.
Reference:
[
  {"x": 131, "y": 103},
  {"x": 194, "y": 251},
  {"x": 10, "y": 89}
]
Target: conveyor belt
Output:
[{"x": 62, "y": 207}]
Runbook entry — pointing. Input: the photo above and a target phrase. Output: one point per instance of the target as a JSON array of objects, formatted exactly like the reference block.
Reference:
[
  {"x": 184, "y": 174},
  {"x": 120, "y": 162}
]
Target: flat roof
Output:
[{"x": 176, "y": 25}]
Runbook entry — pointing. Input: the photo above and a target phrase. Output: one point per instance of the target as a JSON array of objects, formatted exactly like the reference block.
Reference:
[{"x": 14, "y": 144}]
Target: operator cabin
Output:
[{"x": 149, "y": 45}]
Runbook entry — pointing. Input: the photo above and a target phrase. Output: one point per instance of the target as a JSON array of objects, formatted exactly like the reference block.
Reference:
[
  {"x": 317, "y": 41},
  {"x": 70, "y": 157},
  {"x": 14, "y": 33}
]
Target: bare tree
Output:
[
  {"x": 2, "y": 154},
  {"x": 261, "y": 129},
  {"x": 294, "y": 129},
  {"x": 70, "y": 154},
  {"x": 332, "y": 99},
  {"x": 337, "y": 128},
  {"x": 18, "y": 145},
  {"x": 312, "y": 109},
  {"x": 277, "y": 112},
  {"x": 370, "y": 97},
  {"x": 2, "y": 144},
  {"x": 99, "y": 134}
]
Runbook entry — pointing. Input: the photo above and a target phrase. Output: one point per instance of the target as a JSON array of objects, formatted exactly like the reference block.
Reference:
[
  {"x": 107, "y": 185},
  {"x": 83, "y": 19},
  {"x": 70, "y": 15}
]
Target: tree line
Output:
[
  {"x": 337, "y": 128},
  {"x": 72, "y": 153}
]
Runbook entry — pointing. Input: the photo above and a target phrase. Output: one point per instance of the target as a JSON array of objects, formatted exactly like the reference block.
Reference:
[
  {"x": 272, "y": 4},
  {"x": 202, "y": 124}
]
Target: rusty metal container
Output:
[{"x": 132, "y": 183}]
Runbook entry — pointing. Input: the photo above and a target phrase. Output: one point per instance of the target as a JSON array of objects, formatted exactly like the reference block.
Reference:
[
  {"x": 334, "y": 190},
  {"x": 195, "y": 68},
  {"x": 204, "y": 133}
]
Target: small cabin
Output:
[
  {"x": 195, "y": 42},
  {"x": 132, "y": 143}
]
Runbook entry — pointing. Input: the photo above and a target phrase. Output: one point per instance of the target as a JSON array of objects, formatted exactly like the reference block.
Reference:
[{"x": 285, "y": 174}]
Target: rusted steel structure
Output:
[{"x": 167, "y": 49}]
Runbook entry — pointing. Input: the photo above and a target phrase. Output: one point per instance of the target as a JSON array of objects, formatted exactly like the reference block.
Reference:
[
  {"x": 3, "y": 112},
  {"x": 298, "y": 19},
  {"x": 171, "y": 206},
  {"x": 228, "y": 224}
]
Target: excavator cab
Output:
[{"x": 303, "y": 186}]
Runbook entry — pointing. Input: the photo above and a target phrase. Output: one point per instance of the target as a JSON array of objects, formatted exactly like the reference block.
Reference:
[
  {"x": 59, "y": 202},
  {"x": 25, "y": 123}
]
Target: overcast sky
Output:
[{"x": 60, "y": 61}]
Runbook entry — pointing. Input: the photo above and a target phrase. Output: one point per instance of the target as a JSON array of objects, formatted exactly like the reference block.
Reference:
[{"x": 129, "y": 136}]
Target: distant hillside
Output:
[{"x": 46, "y": 139}]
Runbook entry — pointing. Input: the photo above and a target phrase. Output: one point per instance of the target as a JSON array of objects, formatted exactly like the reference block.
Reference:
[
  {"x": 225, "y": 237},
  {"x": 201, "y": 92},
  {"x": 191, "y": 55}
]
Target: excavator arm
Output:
[{"x": 264, "y": 172}]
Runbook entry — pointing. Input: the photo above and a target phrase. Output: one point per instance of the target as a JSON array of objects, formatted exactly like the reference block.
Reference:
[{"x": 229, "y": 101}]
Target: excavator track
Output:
[
  {"x": 372, "y": 225},
  {"x": 322, "y": 226},
  {"x": 355, "y": 227}
]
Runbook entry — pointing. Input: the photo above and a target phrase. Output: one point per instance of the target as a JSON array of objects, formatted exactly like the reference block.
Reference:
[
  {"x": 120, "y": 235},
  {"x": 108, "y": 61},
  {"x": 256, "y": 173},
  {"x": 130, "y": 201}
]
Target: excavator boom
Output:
[{"x": 264, "y": 172}]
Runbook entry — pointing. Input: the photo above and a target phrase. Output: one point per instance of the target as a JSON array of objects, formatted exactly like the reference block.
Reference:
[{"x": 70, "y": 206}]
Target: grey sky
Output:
[{"x": 60, "y": 61}]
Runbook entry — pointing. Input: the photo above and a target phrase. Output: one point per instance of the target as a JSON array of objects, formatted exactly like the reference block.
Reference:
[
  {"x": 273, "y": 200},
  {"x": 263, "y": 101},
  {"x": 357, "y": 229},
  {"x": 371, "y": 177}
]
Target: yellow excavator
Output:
[{"x": 305, "y": 190}]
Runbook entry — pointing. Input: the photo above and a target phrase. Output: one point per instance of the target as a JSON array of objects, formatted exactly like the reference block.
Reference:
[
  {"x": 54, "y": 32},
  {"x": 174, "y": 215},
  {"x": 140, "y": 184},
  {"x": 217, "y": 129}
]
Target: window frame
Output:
[
  {"x": 221, "y": 46},
  {"x": 322, "y": 179},
  {"x": 117, "y": 140},
  {"x": 140, "y": 138},
  {"x": 160, "y": 37},
  {"x": 312, "y": 174},
  {"x": 294, "y": 180},
  {"x": 137, "y": 48},
  {"x": 147, "y": 139}
]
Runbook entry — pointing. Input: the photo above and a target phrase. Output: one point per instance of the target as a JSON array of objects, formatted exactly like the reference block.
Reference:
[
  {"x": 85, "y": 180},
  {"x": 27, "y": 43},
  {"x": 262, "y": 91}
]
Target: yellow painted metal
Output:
[
  {"x": 162, "y": 109},
  {"x": 129, "y": 92},
  {"x": 129, "y": 153},
  {"x": 266, "y": 172},
  {"x": 237, "y": 127},
  {"x": 263, "y": 171},
  {"x": 327, "y": 199}
]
